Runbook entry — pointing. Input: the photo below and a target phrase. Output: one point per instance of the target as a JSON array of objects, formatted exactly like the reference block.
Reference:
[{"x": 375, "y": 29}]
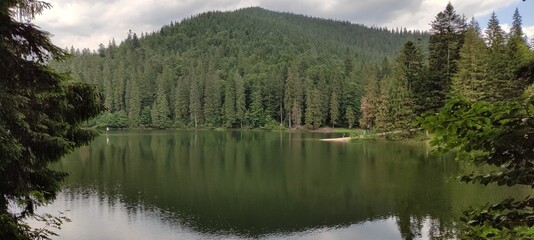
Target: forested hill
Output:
[{"x": 250, "y": 67}]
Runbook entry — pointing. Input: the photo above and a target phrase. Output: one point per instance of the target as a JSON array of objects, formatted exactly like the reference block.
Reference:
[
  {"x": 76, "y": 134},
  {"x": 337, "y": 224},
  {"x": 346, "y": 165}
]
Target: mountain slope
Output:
[{"x": 250, "y": 67}]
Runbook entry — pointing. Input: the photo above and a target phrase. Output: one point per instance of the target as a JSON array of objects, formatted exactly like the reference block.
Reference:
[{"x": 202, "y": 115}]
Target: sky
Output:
[{"x": 87, "y": 23}]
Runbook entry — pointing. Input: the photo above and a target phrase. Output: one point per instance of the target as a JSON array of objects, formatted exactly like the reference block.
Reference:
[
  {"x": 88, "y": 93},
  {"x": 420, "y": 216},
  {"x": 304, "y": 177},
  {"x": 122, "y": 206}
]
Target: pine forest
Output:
[{"x": 257, "y": 68}]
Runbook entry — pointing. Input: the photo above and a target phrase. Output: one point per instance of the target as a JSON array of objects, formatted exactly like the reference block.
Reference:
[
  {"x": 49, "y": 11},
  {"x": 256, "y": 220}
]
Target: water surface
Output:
[{"x": 267, "y": 185}]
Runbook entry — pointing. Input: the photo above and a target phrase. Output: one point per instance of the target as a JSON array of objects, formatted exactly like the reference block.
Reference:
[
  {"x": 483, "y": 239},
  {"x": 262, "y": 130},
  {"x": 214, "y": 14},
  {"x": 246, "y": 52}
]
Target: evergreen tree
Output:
[
  {"x": 119, "y": 87},
  {"x": 134, "y": 102},
  {"x": 240, "y": 99},
  {"x": 229, "y": 102},
  {"x": 445, "y": 42},
  {"x": 502, "y": 82},
  {"x": 181, "y": 107},
  {"x": 255, "y": 114},
  {"x": 517, "y": 30},
  {"x": 293, "y": 96},
  {"x": 352, "y": 95},
  {"x": 160, "y": 108},
  {"x": 145, "y": 118},
  {"x": 495, "y": 36},
  {"x": 312, "y": 114},
  {"x": 147, "y": 84},
  {"x": 401, "y": 101},
  {"x": 195, "y": 104},
  {"x": 518, "y": 53},
  {"x": 40, "y": 117},
  {"x": 411, "y": 67},
  {"x": 369, "y": 100},
  {"x": 323, "y": 91},
  {"x": 336, "y": 78},
  {"x": 472, "y": 79},
  {"x": 212, "y": 100},
  {"x": 394, "y": 106},
  {"x": 350, "y": 116},
  {"x": 383, "y": 118},
  {"x": 108, "y": 87}
]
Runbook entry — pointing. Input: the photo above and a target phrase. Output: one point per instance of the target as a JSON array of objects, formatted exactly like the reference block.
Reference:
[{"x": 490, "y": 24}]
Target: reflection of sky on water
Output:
[
  {"x": 261, "y": 185},
  {"x": 103, "y": 218},
  {"x": 383, "y": 229}
]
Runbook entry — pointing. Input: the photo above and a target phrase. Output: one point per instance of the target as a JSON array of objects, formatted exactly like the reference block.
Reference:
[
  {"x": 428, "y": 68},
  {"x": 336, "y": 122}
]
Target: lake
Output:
[{"x": 266, "y": 185}]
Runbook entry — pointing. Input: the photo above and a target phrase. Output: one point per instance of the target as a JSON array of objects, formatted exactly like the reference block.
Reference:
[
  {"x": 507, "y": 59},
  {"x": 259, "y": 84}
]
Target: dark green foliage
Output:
[
  {"x": 40, "y": 116},
  {"x": 369, "y": 102},
  {"x": 294, "y": 96},
  {"x": 498, "y": 61},
  {"x": 518, "y": 53},
  {"x": 412, "y": 67},
  {"x": 384, "y": 107},
  {"x": 145, "y": 119},
  {"x": 486, "y": 122},
  {"x": 212, "y": 100},
  {"x": 517, "y": 29},
  {"x": 446, "y": 39},
  {"x": 389, "y": 105},
  {"x": 486, "y": 71},
  {"x": 114, "y": 120},
  {"x": 499, "y": 135},
  {"x": 472, "y": 79},
  {"x": 240, "y": 99},
  {"x": 134, "y": 102},
  {"x": 201, "y": 55},
  {"x": 229, "y": 102},
  {"x": 160, "y": 107},
  {"x": 335, "y": 98},
  {"x": 256, "y": 115}
]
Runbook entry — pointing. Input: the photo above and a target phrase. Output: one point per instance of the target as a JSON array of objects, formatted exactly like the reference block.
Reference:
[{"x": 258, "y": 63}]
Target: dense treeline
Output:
[
  {"x": 251, "y": 67},
  {"x": 485, "y": 86},
  {"x": 462, "y": 62},
  {"x": 258, "y": 68}
]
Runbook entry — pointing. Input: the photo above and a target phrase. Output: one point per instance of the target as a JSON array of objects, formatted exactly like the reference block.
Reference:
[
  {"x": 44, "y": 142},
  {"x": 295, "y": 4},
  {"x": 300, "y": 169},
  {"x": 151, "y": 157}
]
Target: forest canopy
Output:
[{"x": 247, "y": 68}]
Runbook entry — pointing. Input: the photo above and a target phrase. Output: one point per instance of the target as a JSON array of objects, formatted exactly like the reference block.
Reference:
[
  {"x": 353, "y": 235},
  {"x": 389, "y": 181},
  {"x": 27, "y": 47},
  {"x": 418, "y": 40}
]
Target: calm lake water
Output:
[{"x": 266, "y": 185}]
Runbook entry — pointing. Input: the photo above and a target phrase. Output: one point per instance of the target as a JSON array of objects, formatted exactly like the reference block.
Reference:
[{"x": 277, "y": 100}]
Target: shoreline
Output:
[{"x": 342, "y": 139}]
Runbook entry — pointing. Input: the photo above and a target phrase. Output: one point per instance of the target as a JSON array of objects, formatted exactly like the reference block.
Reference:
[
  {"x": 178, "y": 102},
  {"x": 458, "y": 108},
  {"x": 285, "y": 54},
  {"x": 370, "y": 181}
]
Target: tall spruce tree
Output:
[
  {"x": 293, "y": 96},
  {"x": 446, "y": 39},
  {"x": 472, "y": 79},
  {"x": 212, "y": 100},
  {"x": 335, "y": 97},
  {"x": 195, "y": 103},
  {"x": 401, "y": 100},
  {"x": 369, "y": 100},
  {"x": 160, "y": 108},
  {"x": 383, "y": 117},
  {"x": 502, "y": 79},
  {"x": 411, "y": 66},
  {"x": 517, "y": 29},
  {"x": 107, "y": 85},
  {"x": 119, "y": 87},
  {"x": 41, "y": 111},
  {"x": 518, "y": 53},
  {"x": 229, "y": 102},
  {"x": 134, "y": 101},
  {"x": 240, "y": 99},
  {"x": 255, "y": 114}
]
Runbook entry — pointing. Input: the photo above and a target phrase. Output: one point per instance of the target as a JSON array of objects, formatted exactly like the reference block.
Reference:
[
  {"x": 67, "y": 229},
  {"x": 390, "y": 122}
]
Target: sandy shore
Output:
[{"x": 343, "y": 139}]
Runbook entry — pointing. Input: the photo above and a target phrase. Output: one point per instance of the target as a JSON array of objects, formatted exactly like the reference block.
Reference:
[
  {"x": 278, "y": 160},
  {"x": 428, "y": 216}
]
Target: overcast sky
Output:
[{"x": 87, "y": 23}]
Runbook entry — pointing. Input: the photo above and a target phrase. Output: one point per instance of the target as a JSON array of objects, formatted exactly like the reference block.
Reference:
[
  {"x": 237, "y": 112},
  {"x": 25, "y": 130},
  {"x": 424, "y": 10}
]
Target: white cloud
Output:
[
  {"x": 86, "y": 23},
  {"x": 529, "y": 31}
]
